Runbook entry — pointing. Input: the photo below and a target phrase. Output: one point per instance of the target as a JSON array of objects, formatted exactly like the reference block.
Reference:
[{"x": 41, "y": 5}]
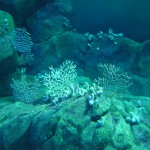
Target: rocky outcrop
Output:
[
  {"x": 6, "y": 27},
  {"x": 21, "y": 9},
  {"x": 7, "y": 59},
  {"x": 70, "y": 125},
  {"x": 46, "y": 23}
]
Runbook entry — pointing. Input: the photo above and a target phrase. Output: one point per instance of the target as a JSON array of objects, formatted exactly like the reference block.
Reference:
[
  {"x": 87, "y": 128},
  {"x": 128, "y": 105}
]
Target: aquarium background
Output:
[{"x": 74, "y": 75}]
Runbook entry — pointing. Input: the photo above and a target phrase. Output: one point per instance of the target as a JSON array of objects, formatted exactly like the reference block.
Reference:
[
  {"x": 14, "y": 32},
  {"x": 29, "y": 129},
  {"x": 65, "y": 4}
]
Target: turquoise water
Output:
[{"x": 75, "y": 75}]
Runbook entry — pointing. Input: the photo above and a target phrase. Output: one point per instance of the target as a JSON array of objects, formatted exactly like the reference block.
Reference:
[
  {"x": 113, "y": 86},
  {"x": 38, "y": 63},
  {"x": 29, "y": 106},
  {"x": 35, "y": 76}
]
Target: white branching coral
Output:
[
  {"x": 22, "y": 43},
  {"x": 113, "y": 80},
  {"x": 58, "y": 80},
  {"x": 25, "y": 90},
  {"x": 21, "y": 40}
]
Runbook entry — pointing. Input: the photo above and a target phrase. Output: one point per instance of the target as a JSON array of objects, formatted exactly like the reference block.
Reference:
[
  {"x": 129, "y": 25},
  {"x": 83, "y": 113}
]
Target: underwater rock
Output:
[
  {"x": 122, "y": 136},
  {"x": 129, "y": 45},
  {"x": 46, "y": 22},
  {"x": 8, "y": 65},
  {"x": 63, "y": 5},
  {"x": 110, "y": 148},
  {"x": 43, "y": 128},
  {"x": 67, "y": 125},
  {"x": 14, "y": 126},
  {"x": 15, "y": 122},
  {"x": 141, "y": 70},
  {"x": 6, "y": 23},
  {"x": 6, "y": 27},
  {"x": 70, "y": 45},
  {"x": 103, "y": 135},
  {"x": 142, "y": 108},
  {"x": 140, "y": 86},
  {"x": 43, "y": 29},
  {"x": 122, "y": 54},
  {"x": 6, "y": 50},
  {"x": 141, "y": 135},
  {"x": 144, "y": 60},
  {"x": 13, "y": 1},
  {"x": 60, "y": 126},
  {"x": 20, "y": 9},
  {"x": 100, "y": 107},
  {"x": 87, "y": 135},
  {"x": 7, "y": 57}
]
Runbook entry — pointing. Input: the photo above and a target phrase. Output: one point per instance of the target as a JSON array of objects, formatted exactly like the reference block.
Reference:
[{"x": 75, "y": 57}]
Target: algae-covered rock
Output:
[
  {"x": 14, "y": 126},
  {"x": 63, "y": 127},
  {"x": 6, "y": 50},
  {"x": 87, "y": 136},
  {"x": 44, "y": 28},
  {"x": 143, "y": 104},
  {"x": 144, "y": 60},
  {"x": 110, "y": 148},
  {"x": 140, "y": 85},
  {"x": 141, "y": 135},
  {"x": 7, "y": 57},
  {"x": 122, "y": 136},
  {"x": 103, "y": 135},
  {"x": 46, "y": 22},
  {"x": 15, "y": 122},
  {"x": 68, "y": 125},
  {"x": 129, "y": 45},
  {"x": 100, "y": 107},
  {"x": 20, "y": 9},
  {"x": 69, "y": 45},
  {"x": 6, "y": 23},
  {"x": 6, "y": 27}
]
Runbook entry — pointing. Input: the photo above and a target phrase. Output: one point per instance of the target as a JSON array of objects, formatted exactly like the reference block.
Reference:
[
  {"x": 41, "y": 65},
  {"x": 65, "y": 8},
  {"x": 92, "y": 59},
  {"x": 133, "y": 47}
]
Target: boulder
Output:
[
  {"x": 68, "y": 45},
  {"x": 20, "y": 9},
  {"x": 67, "y": 125},
  {"x": 46, "y": 22}
]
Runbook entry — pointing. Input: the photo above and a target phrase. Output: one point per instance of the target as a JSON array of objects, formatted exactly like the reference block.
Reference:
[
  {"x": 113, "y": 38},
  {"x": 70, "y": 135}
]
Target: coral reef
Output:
[{"x": 62, "y": 89}]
